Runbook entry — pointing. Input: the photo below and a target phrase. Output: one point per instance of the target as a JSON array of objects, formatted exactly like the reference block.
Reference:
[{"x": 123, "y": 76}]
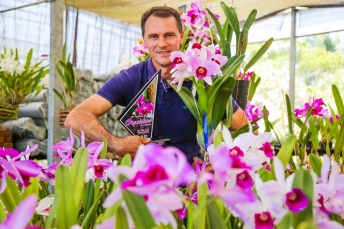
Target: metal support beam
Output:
[
  {"x": 23, "y": 6},
  {"x": 292, "y": 61},
  {"x": 56, "y": 46}
]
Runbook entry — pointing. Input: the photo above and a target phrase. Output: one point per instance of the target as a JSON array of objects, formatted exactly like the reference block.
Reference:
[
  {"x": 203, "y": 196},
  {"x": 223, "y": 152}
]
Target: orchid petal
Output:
[
  {"x": 325, "y": 168},
  {"x": 23, "y": 213},
  {"x": 112, "y": 198},
  {"x": 82, "y": 139},
  {"x": 29, "y": 168},
  {"x": 279, "y": 171}
]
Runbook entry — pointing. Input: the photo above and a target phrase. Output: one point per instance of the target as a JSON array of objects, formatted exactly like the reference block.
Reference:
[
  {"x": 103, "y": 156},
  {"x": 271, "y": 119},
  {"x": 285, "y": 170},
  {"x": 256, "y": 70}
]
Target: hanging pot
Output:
[
  {"x": 240, "y": 93},
  {"x": 63, "y": 113},
  {"x": 8, "y": 111}
]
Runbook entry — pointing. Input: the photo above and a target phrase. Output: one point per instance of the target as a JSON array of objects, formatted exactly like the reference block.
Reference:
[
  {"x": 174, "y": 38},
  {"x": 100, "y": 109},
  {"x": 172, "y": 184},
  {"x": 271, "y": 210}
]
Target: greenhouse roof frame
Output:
[{"x": 131, "y": 11}]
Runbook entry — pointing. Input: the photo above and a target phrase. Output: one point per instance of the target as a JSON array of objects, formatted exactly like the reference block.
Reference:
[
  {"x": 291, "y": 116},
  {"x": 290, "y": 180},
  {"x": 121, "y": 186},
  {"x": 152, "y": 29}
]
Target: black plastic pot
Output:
[{"x": 240, "y": 93}]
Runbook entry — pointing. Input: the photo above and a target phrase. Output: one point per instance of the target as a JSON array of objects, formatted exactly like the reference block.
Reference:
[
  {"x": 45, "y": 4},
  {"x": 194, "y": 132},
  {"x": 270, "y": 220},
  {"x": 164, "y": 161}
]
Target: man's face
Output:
[{"x": 161, "y": 38}]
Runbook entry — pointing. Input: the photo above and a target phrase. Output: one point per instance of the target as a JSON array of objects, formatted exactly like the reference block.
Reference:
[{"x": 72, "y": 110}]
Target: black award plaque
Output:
[{"x": 138, "y": 116}]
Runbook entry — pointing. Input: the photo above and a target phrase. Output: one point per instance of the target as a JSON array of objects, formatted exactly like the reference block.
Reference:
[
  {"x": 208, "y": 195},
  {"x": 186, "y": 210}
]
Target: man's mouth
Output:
[{"x": 163, "y": 52}]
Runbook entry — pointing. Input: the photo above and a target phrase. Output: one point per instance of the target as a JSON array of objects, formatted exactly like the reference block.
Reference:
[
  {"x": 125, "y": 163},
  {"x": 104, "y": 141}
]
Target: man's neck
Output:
[{"x": 165, "y": 73}]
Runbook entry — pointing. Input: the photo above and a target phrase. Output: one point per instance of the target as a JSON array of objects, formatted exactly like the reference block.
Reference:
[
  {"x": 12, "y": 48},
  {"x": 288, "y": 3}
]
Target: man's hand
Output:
[
  {"x": 208, "y": 168},
  {"x": 129, "y": 145}
]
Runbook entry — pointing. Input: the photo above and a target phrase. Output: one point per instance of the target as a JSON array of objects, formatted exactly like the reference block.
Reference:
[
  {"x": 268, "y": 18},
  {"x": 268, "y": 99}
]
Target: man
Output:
[{"x": 162, "y": 34}]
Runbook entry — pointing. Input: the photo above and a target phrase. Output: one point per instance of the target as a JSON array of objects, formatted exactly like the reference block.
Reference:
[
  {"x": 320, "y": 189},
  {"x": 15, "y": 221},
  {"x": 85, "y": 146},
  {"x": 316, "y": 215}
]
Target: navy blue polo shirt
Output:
[{"x": 172, "y": 118}]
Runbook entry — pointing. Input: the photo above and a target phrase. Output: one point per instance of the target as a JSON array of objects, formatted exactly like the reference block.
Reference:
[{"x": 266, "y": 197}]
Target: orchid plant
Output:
[
  {"x": 208, "y": 62},
  {"x": 18, "y": 82},
  {"x": 140, "y": 51}
]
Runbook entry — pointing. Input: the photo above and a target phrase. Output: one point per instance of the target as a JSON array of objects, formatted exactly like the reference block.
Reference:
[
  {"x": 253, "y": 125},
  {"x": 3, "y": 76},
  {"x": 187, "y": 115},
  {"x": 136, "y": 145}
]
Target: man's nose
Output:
[{"x": 162, "y": 42}]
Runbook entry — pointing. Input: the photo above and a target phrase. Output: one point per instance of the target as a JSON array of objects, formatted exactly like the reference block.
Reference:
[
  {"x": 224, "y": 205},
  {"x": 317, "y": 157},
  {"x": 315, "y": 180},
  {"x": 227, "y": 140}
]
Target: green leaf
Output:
[
  {"x": 64, "y": 53},
  {"x": 229, "y": 112},
  {"x": 202, "y": 214},
  {"x": 92, "y": 211},
  {"x": 125, "y": 161},
  {"x": 78, "y": 172},
  {"x": 32, "y": 188},
  {"x": 10, "y": 198},
  {"x": 339, "y": 143},
  {"x": 232, "y": 18},
  {"x": 214, "y": 214},
  {"x": 227, "y": 76},
  {"x": 52, "y": 212},
  {"x": 89, "y": 196},
  {"x": 187, "y": 97},
  {"x": 104, "y": 150},
  {"x": 289, "y": 113},
  {"x": 266, "y": 175},
  {"x": 121, "y": 221},
  {"x": 227, "y": 50},
  {"x": 314, "y": 131},
  {"x": 66, "y": 215},
  {"x": 338, "y": 100},
  {"x": 220, "y": 102},
  {"x": 186, "y": 34},
  {"x": 202, "y": 98},
  {"x": 3, "y": 215},
  {"x": 315, "y": 164},
  {"x": 138, "y": 210},
  {"x": 244, "y": 33},
  {"x": 254, "y": 84},
  {"x": 28, "y": 60},
  {"x": 304, "y": 181},
  {"x": 245, "y": 128},
  {"x": 285, "y": 223},
  {"x": 259, "y": 54},
  {"x": 60, "y": 97},
  {"x": 286, "y": 150},
  {"x": 230, "y": 61},
  {"x": 266, "y": 120},
  {"x": 219, "y": 29}
]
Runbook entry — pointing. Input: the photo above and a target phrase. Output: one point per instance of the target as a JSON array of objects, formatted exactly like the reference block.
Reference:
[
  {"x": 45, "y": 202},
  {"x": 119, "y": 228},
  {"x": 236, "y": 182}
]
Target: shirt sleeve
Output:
[
  {"x": 235, "y": 106},
  {"x": 115, "y": 89}
]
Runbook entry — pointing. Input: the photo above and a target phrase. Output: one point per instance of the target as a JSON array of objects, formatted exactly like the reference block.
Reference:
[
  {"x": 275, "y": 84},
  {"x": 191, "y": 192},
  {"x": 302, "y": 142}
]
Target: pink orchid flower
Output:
[
  {"x": 329, "y": 192},
  {"x": 145, "y": 108},
  {"x": 99, "y": 165},
  {"x": 19, "y": 170},
  {"x": 21, "y": 215},
  {"x": 197, "y": 16}
]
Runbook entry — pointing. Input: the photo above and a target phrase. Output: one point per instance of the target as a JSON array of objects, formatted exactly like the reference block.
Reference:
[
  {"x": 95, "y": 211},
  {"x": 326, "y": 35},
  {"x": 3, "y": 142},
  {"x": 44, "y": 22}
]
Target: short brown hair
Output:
[{"x": 163, "y": 12}]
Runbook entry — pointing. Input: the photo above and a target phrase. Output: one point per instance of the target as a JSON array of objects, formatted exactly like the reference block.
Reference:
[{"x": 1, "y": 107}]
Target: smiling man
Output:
[{"x": 162, "y": 32}]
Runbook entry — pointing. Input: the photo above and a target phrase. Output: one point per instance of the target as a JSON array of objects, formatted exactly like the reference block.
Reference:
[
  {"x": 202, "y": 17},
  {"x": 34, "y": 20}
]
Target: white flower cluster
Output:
[{"x": 9, "y": 64}]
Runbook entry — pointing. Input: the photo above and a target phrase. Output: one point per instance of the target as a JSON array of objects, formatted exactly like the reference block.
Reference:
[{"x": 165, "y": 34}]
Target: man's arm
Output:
[
  {"x": 85, "y": 117},
  {"x": 239, "y": 119}
]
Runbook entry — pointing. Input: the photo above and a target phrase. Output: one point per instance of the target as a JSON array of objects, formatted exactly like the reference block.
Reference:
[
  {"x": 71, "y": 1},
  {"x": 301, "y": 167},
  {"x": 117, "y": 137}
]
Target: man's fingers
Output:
[{"x": 146, "y": 140}]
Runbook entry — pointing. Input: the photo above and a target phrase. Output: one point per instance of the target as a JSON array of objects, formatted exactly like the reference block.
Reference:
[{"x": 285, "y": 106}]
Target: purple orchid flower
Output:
[
  {"x": 145, "y": 108},
  {"x": 19, "y": 170},
  {"x": 197, "y": 16},
  {"x": 99, "y": 165},
  {"x": 204, "y": 176},
  {"x": 296, "y": 200},
  {"x": 315, "y": 104},
  {"x": 330, "y": 189},
  {"x": 22, "y": 215},
  {"x": 263, "y": 221},
  {"x": 244, "y": 180}
]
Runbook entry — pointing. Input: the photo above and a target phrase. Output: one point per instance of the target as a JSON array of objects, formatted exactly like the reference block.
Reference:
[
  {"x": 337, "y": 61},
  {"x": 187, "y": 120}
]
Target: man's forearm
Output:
[{"x": 82, "y": 120}]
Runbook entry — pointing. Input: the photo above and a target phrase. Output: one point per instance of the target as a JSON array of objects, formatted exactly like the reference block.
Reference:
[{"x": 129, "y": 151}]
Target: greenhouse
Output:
[{"x": 177, "y": 114}]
